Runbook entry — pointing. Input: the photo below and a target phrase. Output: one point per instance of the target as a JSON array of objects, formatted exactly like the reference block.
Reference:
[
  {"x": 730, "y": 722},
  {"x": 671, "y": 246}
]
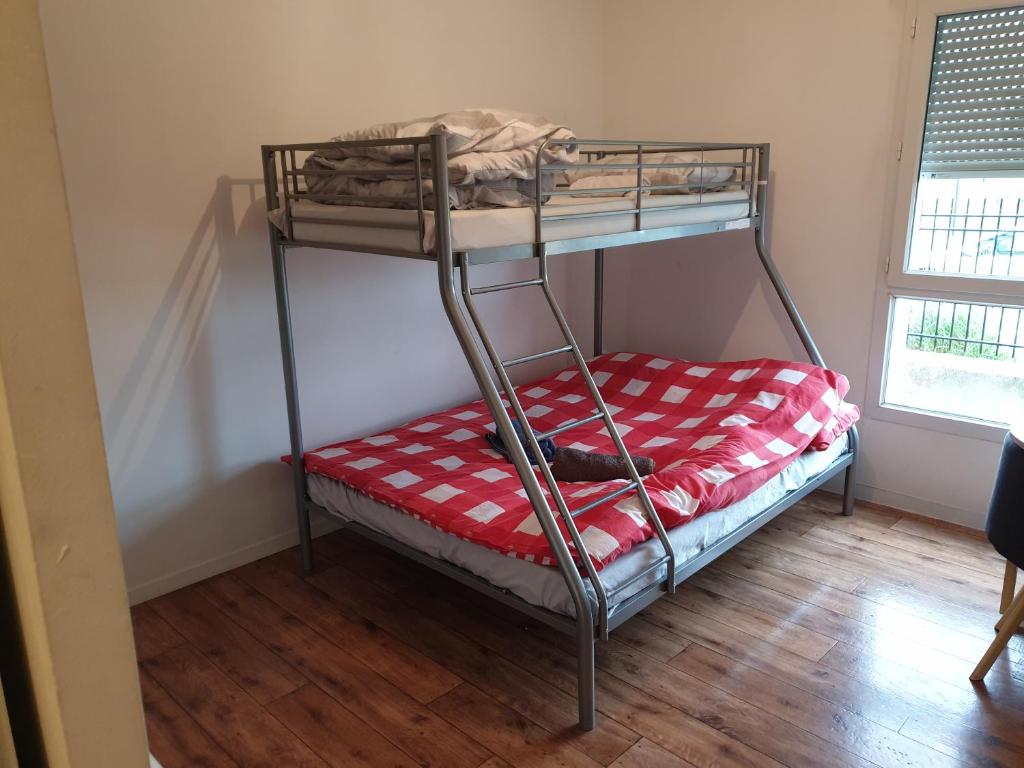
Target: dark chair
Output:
[{"x": 1005, "y": 530}]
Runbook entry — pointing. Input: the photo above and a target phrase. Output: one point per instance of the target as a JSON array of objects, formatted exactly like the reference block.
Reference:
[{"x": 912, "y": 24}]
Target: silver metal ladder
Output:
[{"x": 635, "y": 485}]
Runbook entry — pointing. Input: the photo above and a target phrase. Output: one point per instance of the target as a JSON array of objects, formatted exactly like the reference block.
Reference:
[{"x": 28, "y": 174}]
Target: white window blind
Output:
[{"x": 975, "y": 120}]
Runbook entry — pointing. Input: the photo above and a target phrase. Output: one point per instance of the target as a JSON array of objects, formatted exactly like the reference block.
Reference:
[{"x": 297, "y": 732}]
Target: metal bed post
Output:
[
  {"x": 598, "y": 301},
  {"x": 291, "y": 385},
  {"x": 563, "y": 557},
  {"x": 794, "y": 314}
]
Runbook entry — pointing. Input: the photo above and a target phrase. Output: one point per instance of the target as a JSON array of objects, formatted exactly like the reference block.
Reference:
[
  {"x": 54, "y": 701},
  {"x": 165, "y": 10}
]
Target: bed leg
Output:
[
  {"x": 291, "y": 391},
  {"x": 851, "y": 473},
  {"x": 586, "y": 685},
  {"x": 598, "y": 302}
]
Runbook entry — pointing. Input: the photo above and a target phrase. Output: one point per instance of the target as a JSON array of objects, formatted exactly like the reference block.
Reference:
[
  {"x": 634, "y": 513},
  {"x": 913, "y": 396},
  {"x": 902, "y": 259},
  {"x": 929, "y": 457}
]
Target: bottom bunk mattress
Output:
[
  {"x": 716, "y": 432},
  {"x": 544, "y": 586}
]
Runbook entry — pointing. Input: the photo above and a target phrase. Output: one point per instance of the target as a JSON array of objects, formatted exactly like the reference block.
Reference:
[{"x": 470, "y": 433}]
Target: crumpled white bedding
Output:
[
  {"x": 491, "y": 157},
  {"x": 692, "y": 180}
]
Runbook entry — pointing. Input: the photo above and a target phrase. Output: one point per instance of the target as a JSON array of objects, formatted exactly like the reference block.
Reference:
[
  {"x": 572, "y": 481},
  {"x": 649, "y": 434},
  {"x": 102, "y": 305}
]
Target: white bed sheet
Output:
[
  {"x": 544, "y": 586},
  {"x": 494, "y": 227}
]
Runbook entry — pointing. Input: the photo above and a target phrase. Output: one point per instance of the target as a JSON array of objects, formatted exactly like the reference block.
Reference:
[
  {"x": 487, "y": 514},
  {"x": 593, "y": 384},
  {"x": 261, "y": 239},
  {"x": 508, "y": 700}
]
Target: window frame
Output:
[{"x": 895, "y": 281}]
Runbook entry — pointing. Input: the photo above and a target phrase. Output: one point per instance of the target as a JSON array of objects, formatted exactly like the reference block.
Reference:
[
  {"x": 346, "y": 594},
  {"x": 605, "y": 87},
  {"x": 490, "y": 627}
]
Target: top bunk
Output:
[{"x": 568, "y": 195}]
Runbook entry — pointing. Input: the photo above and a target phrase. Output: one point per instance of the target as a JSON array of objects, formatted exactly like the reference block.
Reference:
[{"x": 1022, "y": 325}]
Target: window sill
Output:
[{"x": 951, "y": 425}]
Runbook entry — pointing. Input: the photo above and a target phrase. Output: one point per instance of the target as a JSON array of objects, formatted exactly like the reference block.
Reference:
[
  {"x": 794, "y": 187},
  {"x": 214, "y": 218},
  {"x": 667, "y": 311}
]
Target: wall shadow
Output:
[{"x": 175, "y": 374}]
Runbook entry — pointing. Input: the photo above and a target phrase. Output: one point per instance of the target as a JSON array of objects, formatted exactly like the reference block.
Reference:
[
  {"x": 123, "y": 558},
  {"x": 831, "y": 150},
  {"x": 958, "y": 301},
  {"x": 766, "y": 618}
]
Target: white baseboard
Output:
[{"x": 161, "y": 585}]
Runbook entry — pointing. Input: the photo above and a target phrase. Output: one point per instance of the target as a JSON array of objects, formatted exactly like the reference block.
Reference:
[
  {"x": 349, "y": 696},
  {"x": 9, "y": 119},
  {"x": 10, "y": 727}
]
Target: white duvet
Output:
[
  {"x": 658, "y": 181},
  {"x": 491, "y": 160}
]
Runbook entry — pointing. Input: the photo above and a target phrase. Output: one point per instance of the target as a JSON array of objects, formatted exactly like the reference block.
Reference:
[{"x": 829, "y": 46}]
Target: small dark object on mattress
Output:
[
  {"x": 572, "y": 465},
  {"x": 547, "y": 445}
]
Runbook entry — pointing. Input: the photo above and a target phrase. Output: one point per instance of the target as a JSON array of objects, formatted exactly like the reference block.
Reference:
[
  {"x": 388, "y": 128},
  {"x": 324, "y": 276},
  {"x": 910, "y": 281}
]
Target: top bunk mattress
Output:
[
  {"x": 397, "y": 230},
  {"x": 716, "y": 432}
]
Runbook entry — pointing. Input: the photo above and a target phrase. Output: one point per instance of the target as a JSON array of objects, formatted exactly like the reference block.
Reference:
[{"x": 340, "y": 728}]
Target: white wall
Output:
[
  {"x": 817, "y": 79},
  {"x": 161, "y": 108}
]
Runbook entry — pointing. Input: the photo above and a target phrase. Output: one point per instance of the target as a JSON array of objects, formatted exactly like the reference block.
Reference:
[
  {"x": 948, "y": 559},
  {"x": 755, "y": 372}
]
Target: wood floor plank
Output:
[
  {"x": 334, "y": 733},
  {"x": 822, "y": 621},
  {"x": 873, "y": 581},
  {"x": 847, "y": 729},
  {"x": 505, "y": 732},
  {"x": 880, "y": 697},
  {"x": 647, "y": 754},
  {"x": 943, "y": 535},
  {"x": 389, "y": 710},
  {"x": 706, "y": 743},
  {"x": 830, "y": 576},
  {"x": 993, "y": 708},
  {"x": 1001, "y": 686},
  {"x": 933, "y": 563},
  {"x": 941, "y": 627},
  {"x": 628, "y": 712},
  {"x": 548, "y": 654},
  {"x": 977, "y": 622},
  {"x": 954, "y": 590},
  {"x": 979, "y": 558},
  {"x": 153, "y": 635},
  {"x": 792, "y": 524},
  {"x": 866, "y": 629},
  {"x": 821, "y": 640},
  {"x": 757, "y": 728},
  {"x": 831, "y": 505},
  {"x": 396, "y": 661},
  {"x": 528, "y": 695},
  {"x": 804, "y": 642},
  {"x": 175, "y": 739},
  {"x": 648, "y": 638},
  {"x": 972, "y": 746},
  {"x": 260, "y": 673},
  {"x": 242, "y": 728},
  {"x": 698, "y": 627},
  {"x": 495, "y": 762},
  {"x": 818, "y": 679}
]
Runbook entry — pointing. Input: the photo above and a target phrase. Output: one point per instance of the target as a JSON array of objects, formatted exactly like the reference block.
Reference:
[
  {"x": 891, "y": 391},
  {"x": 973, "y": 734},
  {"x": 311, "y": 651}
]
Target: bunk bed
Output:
[{"x": 571, "y": 589}]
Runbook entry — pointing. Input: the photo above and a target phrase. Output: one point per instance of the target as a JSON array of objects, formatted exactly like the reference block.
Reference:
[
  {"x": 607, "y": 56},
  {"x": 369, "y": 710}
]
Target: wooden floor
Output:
[{"x": 821, "y": 641}]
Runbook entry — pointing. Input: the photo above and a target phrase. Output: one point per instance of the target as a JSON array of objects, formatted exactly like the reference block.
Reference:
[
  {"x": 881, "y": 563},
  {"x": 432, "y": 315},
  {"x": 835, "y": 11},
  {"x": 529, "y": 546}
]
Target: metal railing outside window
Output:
[{"x": 966, "y": 330}]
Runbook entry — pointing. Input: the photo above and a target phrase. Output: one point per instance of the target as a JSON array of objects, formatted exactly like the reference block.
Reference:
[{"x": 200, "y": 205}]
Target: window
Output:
[
  {"x": 956, "y": 358},
  {"x": 955, "y": 332},
  {"x": 968, "y": 226}
]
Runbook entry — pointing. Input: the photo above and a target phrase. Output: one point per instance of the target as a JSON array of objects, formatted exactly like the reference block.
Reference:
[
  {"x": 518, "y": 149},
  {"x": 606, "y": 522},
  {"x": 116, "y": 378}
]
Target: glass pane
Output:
[
  {"x": 957, "y": 359},
  {"x": 969, "y": 226}
]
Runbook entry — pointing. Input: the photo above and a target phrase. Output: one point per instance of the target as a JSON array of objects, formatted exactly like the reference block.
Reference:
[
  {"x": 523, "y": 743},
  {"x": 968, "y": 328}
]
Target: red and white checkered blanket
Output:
[{"x": 716, "y": 431}]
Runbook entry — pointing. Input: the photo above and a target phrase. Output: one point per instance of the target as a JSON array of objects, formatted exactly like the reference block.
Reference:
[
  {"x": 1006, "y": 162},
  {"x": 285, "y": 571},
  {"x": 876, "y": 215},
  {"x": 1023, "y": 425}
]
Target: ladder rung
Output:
[
  {"x": 631, "y": 486},
  {"x": 633, "y": 579},
  {"x": 505, "y": 286},
  {"x": 538, "y": 356},
  {"x": 570, "y": 425}
]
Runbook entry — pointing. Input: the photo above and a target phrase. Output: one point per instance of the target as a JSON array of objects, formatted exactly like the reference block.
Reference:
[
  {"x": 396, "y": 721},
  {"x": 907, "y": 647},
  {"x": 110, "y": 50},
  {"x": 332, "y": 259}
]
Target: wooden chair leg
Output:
[
  {"x": 1010, "y": 621},
  {"x": 1009, "y": 586},
  {"x": 1018, "y": 600}
]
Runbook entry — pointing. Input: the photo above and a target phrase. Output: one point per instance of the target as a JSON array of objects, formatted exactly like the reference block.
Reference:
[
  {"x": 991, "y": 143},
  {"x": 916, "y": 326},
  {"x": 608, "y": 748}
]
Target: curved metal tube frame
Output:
[
  {"x": 583, "y": 623},
  {"x": 564, "y": 558},
  {"x": 794, "y": 315}
]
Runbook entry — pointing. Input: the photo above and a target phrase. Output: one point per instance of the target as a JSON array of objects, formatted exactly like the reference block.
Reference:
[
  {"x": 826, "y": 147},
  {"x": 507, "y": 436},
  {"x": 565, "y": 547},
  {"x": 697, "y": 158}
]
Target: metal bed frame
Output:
[{"x": 284, "y": 181}]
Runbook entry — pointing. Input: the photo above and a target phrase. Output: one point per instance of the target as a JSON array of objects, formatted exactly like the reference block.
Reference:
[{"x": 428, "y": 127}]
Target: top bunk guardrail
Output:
[{"x": 650, "y": 181}]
